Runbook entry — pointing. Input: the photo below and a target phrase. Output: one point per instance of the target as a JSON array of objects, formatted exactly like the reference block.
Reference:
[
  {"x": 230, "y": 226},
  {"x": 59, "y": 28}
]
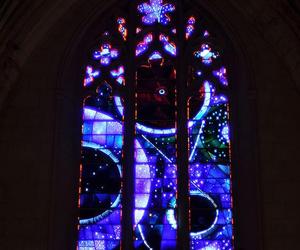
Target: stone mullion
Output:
[
  {"x": 182, "y": 135},
  {"x": 127, "y": 235}
]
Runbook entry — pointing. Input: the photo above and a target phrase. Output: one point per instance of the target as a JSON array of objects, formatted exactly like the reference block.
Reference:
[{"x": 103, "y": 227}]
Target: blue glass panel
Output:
[
  {"x": 101, "y": 154},
  {"x": 169, "y": 47},
  {"x": 209, "y": 168},
  {"x": 211, "y": 244}
]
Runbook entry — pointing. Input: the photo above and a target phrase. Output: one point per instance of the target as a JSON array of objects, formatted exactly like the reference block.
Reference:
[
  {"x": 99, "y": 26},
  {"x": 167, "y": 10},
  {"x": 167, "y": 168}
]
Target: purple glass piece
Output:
[
  {"x": 143, "y": 46},
  {"x": 206, "y": 33},
  {"x": 155, "y": 11},
  {"x": 190, "y": 27},
  {"x": 118, "y": 74},
  {"x": 219, "y": 99},
  {"x": 211, "y": 244},
  {"x": 106, "y": 54},
  {"x": 221, "y": 74},
  {"x": 90, "y": 75},
  {"x": 168, "y": 46}
]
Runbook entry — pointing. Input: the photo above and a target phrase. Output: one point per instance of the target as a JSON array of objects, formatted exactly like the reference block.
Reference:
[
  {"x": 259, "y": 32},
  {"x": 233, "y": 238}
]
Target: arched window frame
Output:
[{"x": 68, "y": 75}]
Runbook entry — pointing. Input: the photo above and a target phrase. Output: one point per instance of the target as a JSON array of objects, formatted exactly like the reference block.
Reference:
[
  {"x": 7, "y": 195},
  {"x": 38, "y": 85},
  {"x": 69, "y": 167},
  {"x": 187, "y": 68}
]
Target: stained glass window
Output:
[{"x": 155, "y": 29}]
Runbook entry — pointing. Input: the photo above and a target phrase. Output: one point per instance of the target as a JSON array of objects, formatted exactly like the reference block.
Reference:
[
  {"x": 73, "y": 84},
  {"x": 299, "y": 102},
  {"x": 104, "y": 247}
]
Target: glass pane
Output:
[
  {"x": 101, "y": 153},
  {"x": 155, "y": 183},
  {"x": 209, "y": 153}
]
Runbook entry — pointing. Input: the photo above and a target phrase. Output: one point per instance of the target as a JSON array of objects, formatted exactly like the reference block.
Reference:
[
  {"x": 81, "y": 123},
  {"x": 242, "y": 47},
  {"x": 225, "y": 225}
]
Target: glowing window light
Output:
[
  {"x": 141, "y": 201},
  {"x": 98, "y": 127},
  {"x": 155, "y": 11},
  {"x": 171, "y": 215},
  {"x": 155, "y": 131},
  {"x": 119, "y": 105},
  {"x": 198, "y": 73},
  {"x": 122, "y": 28},
  {"x": 155, "y": 56},
  {"x": 103, "y": 124},
  {"x": 168, "y": 46},
  {"x": 143, "y": 46},
  {"x": 162, "y": 91},
  {"x": 220, "y": 99},
  {"x": 221, "y": 75},
  {"x": 118, "y": 74},
  {"x": 206, "y": 34},
  {"x": 138, "y": 30},
  {"x": 90, "y": 75},
  {"x": 225, "y": 133},
  {"x": 205, "y": 54},
  {"x": 190, "y": 27},
  {"x": 106, "y": 54}
]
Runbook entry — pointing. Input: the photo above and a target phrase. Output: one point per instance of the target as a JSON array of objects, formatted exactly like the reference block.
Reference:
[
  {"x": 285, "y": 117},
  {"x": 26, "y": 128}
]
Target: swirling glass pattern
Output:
[{"x": 154, "y": 215}]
